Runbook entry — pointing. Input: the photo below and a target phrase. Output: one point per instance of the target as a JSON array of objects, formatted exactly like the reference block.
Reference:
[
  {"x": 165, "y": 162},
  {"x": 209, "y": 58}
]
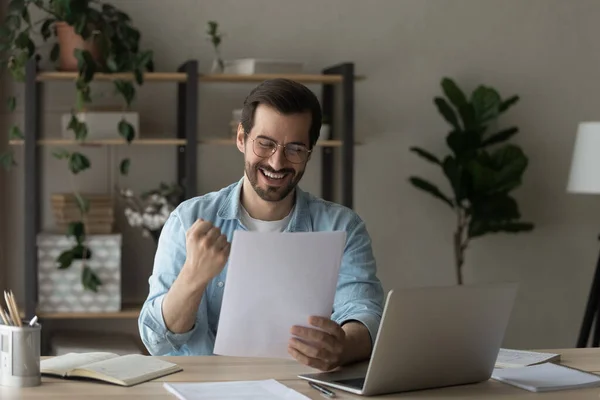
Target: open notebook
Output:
[{"x": 125, "y": 370}]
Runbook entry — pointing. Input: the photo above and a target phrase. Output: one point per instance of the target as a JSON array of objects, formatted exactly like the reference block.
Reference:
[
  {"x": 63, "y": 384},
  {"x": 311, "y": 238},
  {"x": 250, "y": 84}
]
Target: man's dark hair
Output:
[{"x": 287, "y": 97}]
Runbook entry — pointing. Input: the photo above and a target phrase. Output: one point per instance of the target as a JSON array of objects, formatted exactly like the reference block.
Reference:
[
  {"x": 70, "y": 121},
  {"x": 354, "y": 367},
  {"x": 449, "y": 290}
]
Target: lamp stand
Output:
[{"x": 592, "y": 310}]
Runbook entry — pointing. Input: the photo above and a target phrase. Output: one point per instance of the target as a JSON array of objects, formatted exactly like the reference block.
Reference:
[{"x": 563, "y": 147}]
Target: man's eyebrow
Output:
[
  {"x": 270, "y": 138},
  {"x": 298, "y": 143}
]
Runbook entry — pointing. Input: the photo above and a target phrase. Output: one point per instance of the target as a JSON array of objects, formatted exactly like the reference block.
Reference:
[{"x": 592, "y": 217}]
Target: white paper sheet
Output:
[
  {"x": 275, "y": 281},
  {"x": 247, "y": 390},
  {"x": 546, "y": 377}
]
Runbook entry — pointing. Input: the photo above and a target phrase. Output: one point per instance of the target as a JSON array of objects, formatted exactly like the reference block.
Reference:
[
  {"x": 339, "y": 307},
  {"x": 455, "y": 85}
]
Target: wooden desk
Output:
[{"x": 207, "y": 369}]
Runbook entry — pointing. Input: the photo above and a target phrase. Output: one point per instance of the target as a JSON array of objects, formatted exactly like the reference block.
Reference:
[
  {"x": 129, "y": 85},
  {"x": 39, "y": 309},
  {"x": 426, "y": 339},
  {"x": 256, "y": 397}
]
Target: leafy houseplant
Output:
[
  {"x": 481, "y": 168},
  {"x": 116, "y": 49}
]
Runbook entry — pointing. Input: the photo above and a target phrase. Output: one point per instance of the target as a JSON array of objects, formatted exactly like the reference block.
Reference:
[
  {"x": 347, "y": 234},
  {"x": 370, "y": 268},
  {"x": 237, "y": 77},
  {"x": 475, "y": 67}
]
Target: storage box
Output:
[
  {"x": 61, "y": 290},
  {"x": 98, "y": 220},
  {"x": 101, "y": 124},
  {"x": 250, "y": 66}
]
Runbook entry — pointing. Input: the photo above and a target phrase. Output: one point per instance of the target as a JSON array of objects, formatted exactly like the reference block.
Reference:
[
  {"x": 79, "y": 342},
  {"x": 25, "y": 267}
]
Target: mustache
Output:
[{"x": 273, "y": 171}]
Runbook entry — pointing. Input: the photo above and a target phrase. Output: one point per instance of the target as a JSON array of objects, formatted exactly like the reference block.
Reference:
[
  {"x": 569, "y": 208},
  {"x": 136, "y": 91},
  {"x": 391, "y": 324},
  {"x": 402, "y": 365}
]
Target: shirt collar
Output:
[{"x": 299, "y": 222}]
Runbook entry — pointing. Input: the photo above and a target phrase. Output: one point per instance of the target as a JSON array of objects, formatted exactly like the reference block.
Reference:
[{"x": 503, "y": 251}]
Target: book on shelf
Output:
[{"x": 127, "y": 370}]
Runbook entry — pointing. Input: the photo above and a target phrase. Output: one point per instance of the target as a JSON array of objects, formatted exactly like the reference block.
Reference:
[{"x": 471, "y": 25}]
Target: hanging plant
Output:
[{"x": 92, "y": 37}]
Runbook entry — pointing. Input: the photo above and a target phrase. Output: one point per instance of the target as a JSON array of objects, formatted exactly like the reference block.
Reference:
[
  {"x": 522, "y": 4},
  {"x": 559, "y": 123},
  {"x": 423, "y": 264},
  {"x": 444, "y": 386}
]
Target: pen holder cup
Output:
[{"x": 20, "y": 355}]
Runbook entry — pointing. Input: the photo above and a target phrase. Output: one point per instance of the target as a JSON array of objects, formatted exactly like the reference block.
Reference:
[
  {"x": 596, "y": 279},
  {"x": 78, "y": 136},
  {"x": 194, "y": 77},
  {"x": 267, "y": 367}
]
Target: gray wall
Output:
[{"x": 544, "y": 50}]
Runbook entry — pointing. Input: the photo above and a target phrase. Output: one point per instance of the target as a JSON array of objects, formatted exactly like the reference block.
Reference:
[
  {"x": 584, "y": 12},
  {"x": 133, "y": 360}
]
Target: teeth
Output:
[{"x": 272, "y": 175}]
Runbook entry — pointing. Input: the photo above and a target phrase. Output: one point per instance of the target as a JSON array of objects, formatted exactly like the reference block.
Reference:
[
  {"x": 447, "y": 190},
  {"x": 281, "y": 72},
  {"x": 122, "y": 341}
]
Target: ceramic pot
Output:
[{"x": 69, "y": 41}]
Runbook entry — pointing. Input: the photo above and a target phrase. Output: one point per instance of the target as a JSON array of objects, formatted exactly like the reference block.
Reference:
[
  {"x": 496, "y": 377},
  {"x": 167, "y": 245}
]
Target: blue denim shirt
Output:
[{"x": 359, "y": 294}]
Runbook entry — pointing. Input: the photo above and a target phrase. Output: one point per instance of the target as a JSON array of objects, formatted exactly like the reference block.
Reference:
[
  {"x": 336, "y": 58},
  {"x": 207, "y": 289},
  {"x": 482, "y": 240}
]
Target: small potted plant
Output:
[{"x": 215, "y": 37}]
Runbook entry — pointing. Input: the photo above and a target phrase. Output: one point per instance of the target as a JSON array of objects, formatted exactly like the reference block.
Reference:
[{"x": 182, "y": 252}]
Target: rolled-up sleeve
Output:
[
  {"x": 359, "y": 293},
  {"x": 169, "y": 258}
]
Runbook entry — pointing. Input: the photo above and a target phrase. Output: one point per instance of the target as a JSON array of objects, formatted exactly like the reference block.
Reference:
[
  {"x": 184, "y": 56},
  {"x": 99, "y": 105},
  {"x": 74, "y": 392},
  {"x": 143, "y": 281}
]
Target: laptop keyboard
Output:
[{"x": 357, "y": 383}]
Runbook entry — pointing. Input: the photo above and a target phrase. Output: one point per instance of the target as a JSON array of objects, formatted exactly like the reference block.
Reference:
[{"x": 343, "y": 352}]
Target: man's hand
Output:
[
  {"x": 207, "y": 251},
  {"x": 318, "y": 348}
]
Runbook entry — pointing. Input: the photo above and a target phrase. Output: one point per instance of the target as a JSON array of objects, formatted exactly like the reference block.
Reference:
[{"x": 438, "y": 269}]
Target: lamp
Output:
[{"x": 584, "y": 178}]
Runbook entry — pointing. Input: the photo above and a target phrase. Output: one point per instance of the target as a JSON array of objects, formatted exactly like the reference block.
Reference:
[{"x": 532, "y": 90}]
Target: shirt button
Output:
[{"x": 220, "y": 284}]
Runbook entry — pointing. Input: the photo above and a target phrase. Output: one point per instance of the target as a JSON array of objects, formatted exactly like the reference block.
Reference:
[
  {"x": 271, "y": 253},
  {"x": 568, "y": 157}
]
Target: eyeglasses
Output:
[{"x": 265, "y": 148}]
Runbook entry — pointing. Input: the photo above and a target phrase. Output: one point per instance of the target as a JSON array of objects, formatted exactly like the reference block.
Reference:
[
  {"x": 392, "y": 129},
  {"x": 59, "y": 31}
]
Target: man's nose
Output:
[{"x": 277, "y": 160}]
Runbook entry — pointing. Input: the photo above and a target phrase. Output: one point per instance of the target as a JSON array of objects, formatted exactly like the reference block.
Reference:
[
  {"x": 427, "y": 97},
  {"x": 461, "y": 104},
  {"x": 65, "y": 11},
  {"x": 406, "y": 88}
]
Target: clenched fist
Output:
[{"x": 207, "y": 251}]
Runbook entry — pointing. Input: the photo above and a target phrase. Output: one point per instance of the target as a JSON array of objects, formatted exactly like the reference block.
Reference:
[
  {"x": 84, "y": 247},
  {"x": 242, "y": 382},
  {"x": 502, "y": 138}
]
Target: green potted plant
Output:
[
  {"x": 92, "y": 37},
  {"x": 482, "y": 169}
]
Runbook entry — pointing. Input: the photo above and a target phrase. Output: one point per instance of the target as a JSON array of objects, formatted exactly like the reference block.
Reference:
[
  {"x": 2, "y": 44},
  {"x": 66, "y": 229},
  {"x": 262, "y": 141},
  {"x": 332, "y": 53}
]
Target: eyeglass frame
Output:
[{"x": 277, "y": 146}]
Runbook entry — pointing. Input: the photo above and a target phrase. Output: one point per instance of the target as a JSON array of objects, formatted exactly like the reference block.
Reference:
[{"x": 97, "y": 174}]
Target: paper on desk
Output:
[
  {"x": 546, "y": 377},
  {"x": 248, "y": 390},
  {"x": 275, "y": 281}
]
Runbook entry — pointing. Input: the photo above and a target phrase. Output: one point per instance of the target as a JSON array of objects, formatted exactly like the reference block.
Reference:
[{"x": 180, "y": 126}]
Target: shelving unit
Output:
[{"x": 186, "y": 140}]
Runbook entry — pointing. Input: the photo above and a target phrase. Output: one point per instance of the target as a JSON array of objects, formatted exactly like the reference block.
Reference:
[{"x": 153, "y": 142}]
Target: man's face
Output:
[{"x": 273, "y": 176}]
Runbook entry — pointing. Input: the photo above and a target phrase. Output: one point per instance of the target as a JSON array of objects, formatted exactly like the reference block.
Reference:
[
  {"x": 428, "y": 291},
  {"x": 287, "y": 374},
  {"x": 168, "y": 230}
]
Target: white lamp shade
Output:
[{"x": 585, "y": 165}]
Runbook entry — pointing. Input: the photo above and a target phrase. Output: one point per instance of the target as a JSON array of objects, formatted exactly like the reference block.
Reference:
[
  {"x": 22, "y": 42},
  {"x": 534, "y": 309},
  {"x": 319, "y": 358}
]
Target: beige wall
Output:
[{"x": 544, "y": 50}]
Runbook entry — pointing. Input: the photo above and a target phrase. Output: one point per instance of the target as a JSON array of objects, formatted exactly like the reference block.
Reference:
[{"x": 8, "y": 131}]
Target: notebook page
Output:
[
  {"x": 62, "y": 364},
  {"x": 546, "y": 377},
  {"x": 268, "y": 389},
  {"x": 521, "y": 358},
  {"x": 132, "y": 368}
]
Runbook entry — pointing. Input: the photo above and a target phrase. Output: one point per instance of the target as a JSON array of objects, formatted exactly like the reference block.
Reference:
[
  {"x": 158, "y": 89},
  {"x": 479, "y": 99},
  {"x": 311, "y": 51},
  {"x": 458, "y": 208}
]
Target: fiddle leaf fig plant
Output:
[
  {"x": 482, "y": 169},
  {"x": 116, "y": 49}
]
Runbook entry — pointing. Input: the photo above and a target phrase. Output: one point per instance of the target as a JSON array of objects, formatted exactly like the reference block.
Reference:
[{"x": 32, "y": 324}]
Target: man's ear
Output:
[{"x": 240, "y": 137}]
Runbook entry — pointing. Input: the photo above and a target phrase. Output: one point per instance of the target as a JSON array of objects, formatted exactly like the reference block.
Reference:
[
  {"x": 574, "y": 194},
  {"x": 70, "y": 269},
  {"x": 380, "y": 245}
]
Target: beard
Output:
[{"x": 272, "y": 193}]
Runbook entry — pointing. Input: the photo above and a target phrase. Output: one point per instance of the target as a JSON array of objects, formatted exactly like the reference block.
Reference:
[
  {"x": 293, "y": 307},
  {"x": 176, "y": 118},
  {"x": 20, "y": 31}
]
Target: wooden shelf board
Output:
[
  {"x": 306, "y": 78},
  {"x": 127, "y": 311},
  {"x": 149, "y": 76},
  {"x": 104, "y": 142},
  {"x": 182, "y": 77},
  {"x": 228, "y": 142},
  {"x": 150, "y": 142}
]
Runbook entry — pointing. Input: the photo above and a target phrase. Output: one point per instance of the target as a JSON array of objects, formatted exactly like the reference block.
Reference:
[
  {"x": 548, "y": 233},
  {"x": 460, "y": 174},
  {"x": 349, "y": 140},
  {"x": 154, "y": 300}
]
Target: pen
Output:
[
  {"x": 33, "y": 320},
  {"x": 325, "y": 392}
]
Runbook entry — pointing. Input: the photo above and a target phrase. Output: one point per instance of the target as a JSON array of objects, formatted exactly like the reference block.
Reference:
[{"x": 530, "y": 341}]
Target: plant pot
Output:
[
  {"x": 60, "y": 290},
  {"x": 68, "y": 41}
]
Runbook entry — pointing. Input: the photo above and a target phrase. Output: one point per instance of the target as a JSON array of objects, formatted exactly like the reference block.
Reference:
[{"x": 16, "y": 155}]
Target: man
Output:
[{"x": 279, "y": 127}]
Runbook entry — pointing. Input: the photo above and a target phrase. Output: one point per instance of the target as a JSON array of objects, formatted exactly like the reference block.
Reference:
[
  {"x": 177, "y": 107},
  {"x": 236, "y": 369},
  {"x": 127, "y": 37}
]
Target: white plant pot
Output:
[
  {"x": 101, "y": 124},
  {"x": 61, "y": 290}
]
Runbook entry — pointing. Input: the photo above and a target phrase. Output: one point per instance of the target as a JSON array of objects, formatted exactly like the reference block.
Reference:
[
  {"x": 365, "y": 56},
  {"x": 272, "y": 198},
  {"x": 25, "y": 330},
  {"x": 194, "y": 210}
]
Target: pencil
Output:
[
  {"x": 15, "y": 318},
  {"x": 4, "y": 317},
  {"x": 16, "y": 308}
]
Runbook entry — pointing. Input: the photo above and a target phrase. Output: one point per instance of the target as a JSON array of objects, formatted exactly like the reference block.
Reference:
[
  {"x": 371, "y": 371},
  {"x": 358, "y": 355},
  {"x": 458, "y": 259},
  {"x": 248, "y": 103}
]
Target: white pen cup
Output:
[{"x": 20, "y": 355}]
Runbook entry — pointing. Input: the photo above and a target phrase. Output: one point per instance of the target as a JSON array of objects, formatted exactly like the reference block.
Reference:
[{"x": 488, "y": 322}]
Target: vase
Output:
[
  {"x": 68, "y": 41},
  {"x": 217, "y": 66}
]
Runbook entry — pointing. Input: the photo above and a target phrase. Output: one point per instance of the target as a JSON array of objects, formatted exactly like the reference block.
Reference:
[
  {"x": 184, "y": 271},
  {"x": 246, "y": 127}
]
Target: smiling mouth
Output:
[{"x": 273, "y": 177}]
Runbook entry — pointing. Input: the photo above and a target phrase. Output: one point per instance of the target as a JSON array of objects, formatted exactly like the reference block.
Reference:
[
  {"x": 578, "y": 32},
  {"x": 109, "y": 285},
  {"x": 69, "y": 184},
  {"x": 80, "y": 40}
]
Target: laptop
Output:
[{"x": 430, "y": 338}]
